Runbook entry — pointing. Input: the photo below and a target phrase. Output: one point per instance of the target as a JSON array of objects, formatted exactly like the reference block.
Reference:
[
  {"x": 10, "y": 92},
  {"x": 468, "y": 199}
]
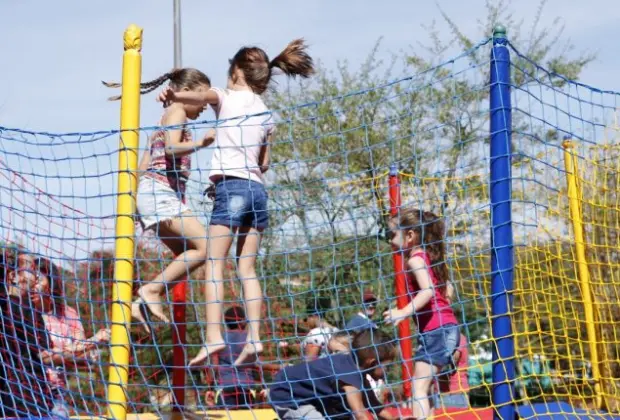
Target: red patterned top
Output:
[
  {"x": 166, "y": 169},
  {"x": 437, "y": 312},
  {"x": 63, "y": 331}
]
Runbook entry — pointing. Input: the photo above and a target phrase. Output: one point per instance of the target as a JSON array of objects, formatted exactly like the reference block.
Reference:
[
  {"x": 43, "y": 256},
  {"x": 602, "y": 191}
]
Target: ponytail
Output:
[
  {"x": 257, "y": 69},
  {"x": 294, "y": 60}
]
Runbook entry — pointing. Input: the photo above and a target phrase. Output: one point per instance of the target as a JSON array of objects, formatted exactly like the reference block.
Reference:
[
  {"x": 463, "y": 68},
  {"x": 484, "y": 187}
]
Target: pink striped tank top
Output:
[{"x": 170, "y": 171}]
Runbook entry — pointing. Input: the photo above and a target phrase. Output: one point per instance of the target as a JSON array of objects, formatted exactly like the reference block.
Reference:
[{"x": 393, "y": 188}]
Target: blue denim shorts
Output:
[
  {"x": 458, "y": 400},
  {"x": 240, "y": 203},
  {"x": 437, "y": 347}
]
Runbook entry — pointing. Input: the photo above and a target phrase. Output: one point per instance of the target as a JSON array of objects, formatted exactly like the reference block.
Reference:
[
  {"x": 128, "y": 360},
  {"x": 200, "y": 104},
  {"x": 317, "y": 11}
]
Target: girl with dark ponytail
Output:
[{"x": 239, "y": 160}]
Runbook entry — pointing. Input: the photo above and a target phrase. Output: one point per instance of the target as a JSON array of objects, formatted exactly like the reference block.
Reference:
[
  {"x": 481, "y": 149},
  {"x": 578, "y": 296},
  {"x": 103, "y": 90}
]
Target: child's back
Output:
[
  {"x": 316, "y": 385},
  {"x": 239, "y": 137},
  {"x": 335, "y": 386}
]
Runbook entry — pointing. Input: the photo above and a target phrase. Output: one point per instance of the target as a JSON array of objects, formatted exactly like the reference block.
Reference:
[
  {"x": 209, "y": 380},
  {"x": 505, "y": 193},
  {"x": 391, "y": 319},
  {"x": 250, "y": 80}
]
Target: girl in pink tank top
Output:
[{"x": 419, "y": 235}]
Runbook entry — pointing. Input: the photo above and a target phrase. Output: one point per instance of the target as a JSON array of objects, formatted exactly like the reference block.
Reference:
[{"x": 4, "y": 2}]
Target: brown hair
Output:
[
  {"x": 179, "y": 79},
  {"x": 430, "y": 229},
  {"x": 235, "y": 318},
  {"x": 373, "y": 344},
  {"x": 54, "y": 276},
  {"x": 257, "y": 70}
]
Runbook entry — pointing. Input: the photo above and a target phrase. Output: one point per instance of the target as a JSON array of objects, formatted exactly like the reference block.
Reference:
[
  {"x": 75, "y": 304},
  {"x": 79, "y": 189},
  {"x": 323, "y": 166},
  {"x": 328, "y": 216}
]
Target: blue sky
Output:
[
  {"x": 56, "y": 54},
  {"x": 59, "y": 51}
]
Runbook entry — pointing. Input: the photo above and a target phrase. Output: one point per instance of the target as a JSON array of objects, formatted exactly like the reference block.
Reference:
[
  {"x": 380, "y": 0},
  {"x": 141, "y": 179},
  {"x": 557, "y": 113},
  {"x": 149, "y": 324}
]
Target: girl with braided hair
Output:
[
  {"x": 420, "y": 235},
  {"x": 164, "y": 170},
  {"x": 240, "y": 158}
]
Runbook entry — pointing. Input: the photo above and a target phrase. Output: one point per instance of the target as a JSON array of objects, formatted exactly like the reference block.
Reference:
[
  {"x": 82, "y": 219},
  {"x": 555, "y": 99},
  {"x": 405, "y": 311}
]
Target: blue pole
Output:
[{"x": 502, "y": 260}]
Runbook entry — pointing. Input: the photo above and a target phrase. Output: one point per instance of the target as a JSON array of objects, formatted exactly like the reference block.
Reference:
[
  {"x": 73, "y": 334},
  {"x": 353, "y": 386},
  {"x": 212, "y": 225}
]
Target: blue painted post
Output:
[{"x": 502, "y": 259}]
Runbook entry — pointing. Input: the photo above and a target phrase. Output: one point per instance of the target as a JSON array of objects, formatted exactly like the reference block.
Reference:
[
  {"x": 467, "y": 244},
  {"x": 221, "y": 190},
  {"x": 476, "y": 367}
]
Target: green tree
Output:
[{"x": 333, "y": 152}]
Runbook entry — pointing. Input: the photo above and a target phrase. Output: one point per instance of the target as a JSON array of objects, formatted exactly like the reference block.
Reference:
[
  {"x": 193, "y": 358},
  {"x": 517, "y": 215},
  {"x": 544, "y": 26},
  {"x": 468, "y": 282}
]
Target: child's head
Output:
[
  {"x": 373, "y": 348},
  {"x": 369, "y": 303},
  {"x": 317, "y": 307},
  {"x": 312, "y": 320},
  {"x": 50, "y": 287},
  {"x": 340, "y": 342},
  {"x": 251, "y": 65},
  {"x": 234, "y": 318},
  {"x": 185, "y": 79},
  {"x": 416, "y": 228}
]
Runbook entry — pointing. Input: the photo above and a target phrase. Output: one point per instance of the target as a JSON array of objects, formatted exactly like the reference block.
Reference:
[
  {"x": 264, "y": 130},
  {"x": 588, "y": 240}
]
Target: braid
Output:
[
  {"x": 145, "y": 87},
  {"x": 155, "y": 83}
]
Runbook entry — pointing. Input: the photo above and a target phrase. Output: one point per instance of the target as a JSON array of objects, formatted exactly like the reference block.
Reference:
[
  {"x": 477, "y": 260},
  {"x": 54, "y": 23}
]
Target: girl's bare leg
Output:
[
  {"x": 248, "y": 243},
  {"x": 187, "y": 238},
  {"x": 220, "y": 240}
]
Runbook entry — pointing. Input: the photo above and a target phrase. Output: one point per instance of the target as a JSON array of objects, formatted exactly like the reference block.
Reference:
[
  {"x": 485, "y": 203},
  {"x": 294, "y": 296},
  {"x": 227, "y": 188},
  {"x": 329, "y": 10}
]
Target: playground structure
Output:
[{"x": 531, "y": 206}]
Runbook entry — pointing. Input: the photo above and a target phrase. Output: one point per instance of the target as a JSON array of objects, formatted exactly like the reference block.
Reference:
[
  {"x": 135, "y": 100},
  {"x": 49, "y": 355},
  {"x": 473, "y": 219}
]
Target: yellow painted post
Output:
[
  {"x": 575, "y": 198},
  {"x": 125, "y": 229}
]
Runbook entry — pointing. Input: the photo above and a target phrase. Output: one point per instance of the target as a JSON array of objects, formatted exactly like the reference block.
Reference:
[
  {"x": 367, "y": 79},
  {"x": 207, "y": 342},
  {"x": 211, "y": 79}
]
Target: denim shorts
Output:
[
  {"x": 158, "y": 202},
  {"x": 458, "y": 400},
  {"x": 240, "y": 203},
  {"x": 437, "y": 347}
]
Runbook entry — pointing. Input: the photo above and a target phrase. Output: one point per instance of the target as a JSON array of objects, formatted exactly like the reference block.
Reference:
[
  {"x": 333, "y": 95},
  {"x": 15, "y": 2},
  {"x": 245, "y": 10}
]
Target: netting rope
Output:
[{"x": 336, "y": 162}]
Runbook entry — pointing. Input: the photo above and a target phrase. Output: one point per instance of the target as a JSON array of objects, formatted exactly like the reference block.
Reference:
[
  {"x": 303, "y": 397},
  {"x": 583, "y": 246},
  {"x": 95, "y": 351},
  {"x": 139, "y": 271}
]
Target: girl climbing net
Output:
[{"x": 420, "y": 235}]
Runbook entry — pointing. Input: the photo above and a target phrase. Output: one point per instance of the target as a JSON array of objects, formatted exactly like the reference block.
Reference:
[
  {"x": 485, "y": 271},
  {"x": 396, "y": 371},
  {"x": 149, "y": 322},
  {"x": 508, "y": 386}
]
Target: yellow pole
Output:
[
  {"x": 574, "y": 196},
  {"x": 124, "y": 253}
]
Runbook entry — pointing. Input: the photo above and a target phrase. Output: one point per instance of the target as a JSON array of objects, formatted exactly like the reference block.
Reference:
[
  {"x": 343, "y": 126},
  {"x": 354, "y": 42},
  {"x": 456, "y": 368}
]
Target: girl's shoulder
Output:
[
  {"x": 172, "y": 116},
  {"x": 221, "y": 93},
  {"x": 419, "y": 255}
]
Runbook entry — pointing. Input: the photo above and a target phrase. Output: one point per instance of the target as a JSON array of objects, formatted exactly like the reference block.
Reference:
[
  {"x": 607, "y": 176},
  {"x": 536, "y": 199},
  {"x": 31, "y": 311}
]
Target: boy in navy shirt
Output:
[{"x": 335, "y": 386}]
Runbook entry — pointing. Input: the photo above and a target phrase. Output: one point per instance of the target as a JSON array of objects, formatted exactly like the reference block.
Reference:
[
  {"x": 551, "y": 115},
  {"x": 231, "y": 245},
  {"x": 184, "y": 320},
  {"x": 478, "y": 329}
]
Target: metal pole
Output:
[
  {"x": 576, "y": 213},
  {"x": 177, "y": 34},
  {"x": 180, "y": 289},
  {"x": 403, "y": 296}
]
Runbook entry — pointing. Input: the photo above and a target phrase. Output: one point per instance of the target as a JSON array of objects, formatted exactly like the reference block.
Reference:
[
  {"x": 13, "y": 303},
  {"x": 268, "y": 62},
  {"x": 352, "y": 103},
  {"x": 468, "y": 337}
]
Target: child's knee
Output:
[
  {"x": 202, "y": 252},
  {"x": 215, "y": 264},
  {"x": 247, "y": 273},
  {"x": 421, "y": 387}
]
